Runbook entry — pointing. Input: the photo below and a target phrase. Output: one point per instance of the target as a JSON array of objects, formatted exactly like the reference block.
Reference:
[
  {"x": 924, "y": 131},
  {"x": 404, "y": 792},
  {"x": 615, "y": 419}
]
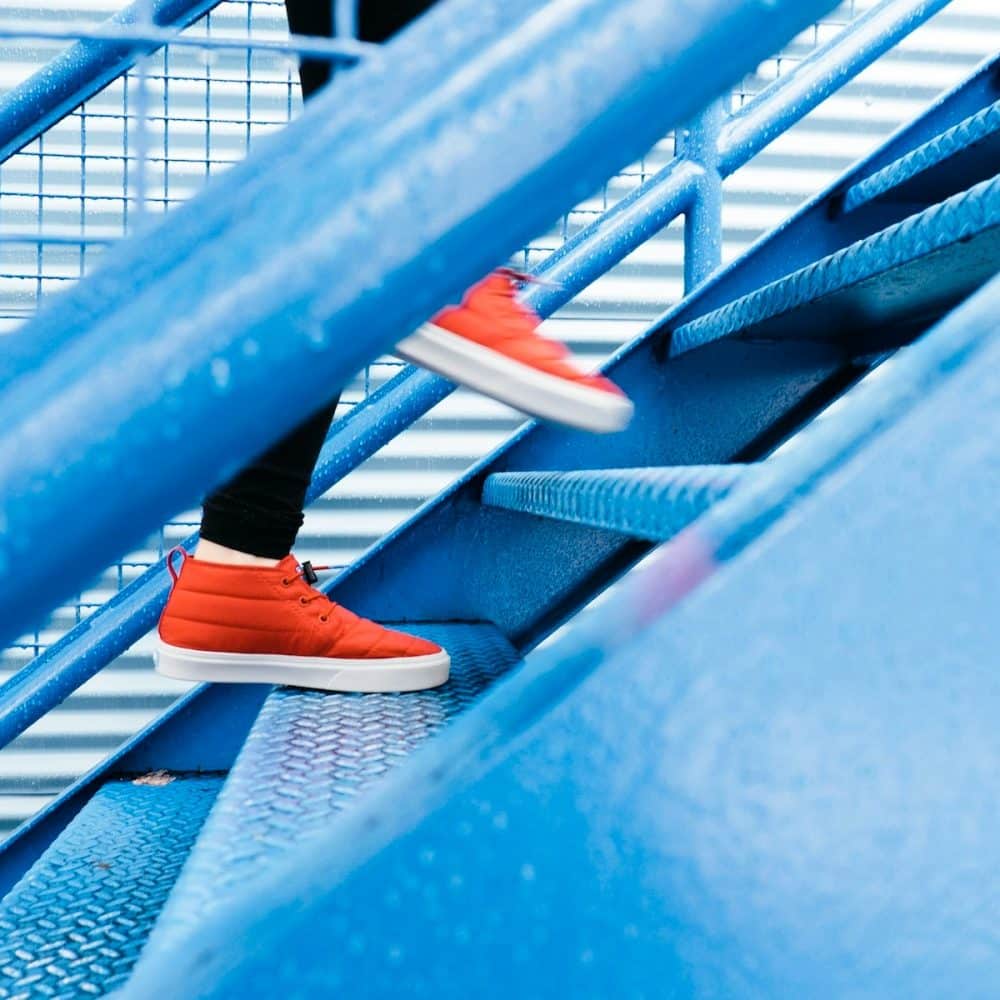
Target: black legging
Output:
[{"x": 260, "y": 510}]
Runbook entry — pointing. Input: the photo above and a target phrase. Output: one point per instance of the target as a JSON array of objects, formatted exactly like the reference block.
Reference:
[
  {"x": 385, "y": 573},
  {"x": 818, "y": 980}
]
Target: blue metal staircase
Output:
[{"x": 697, "y": 786}]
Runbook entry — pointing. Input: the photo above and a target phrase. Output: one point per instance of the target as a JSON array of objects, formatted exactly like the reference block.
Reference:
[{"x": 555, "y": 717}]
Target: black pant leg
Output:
[{"x": 260, "y": 510}]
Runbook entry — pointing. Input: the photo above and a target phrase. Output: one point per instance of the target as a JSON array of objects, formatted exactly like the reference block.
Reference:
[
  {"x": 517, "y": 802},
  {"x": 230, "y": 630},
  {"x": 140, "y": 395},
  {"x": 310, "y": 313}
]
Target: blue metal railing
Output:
[{"x": 686, "y": 186}]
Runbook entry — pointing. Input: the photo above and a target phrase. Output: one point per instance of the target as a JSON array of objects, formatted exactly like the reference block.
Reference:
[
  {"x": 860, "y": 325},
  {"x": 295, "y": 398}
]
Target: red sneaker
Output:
[
  {"x": 491, "y": 343},
  {"x": 267, "y": 625}
]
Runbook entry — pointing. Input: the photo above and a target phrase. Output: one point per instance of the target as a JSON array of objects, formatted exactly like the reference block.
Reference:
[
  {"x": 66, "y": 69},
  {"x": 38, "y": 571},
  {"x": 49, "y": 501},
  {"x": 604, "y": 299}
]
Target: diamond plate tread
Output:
[
  {"x": 920, "y": 266},
  {"x": 309, "y": 755},
  {"x": 652, "y": 503},
  {"x": 978, "y": 128},
  {"x": 75, "y": 923}
]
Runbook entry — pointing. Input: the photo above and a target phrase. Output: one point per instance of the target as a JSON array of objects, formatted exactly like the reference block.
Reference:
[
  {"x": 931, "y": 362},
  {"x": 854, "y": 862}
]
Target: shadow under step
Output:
[
  {"x": 650, "y": 503},
  {"x": 877, "y": 292},
  {"x": 965, "y": 154},
  {"x": 309, "y": 755},
  {"x": 76, "y": 922}
]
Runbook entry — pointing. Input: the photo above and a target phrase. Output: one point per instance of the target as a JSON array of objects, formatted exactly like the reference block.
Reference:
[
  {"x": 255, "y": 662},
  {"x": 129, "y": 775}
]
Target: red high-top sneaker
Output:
[
  {"x": 491, "y": 343},
  {"x": 252, "y": 624}
]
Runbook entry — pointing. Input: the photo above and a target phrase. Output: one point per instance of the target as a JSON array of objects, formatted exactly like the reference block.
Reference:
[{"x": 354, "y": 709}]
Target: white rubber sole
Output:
[
  {"x": 408, "y": 673},
  {"x": 521, "y": 386}
]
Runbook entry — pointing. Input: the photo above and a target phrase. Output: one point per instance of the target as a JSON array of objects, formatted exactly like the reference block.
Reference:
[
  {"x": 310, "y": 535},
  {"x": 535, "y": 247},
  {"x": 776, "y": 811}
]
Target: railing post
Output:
[
  {"x": 699, "y": 142},
  {"x": 243, "y": 320},
  {"x": 82, "y": 70}
]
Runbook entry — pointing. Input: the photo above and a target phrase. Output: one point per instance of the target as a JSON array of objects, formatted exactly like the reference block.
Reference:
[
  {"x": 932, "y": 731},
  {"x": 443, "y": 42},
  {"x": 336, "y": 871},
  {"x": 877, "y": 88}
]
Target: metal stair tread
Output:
[
  {"x": 912, "y": 271},
  {"x": 650, "y": 503},
  {"x": 309, "y": 755},
  {"x": 75, "y": 923},
  {"x": 969, "y": 150}
]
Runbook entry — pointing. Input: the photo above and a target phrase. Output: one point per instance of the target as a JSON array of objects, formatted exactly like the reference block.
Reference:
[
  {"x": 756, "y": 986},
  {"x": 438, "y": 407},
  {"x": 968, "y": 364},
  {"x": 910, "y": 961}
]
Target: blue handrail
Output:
[
  {"x": 106, "y": 634},
  {"x": 263, "y": 297},
  {"x": 35, "y": 105}
]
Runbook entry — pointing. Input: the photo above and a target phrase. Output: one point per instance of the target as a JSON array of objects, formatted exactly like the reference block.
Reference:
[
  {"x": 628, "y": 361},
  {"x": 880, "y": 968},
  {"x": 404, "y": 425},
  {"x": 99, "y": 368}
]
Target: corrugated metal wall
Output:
[{"x": 78, "y": 183}]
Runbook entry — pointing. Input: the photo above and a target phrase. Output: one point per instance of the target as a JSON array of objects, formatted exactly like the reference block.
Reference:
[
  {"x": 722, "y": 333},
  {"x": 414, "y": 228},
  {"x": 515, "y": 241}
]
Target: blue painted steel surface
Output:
[
  {"x": 77, "y": 74},
  {"x": 735, "y": 803},
  {"x": 819, "y": 227},
  {"x": 578, "y": 262},
  {"x": 683, "y": 420},
  {"x": 914, "y": 270},
  {"x": 646, "y": 503},
  {"x": 309, "y": 756},
  {"x": 258, "y": 325},
  {"x": 221, "y": 718},
  {"x": 527, "y": 575},
  {"x": 976, "y": 141},
  {"x": 823, "y": 72},
  {"x": 74, "y": 926},
  {"x": 699, "y": 143}
]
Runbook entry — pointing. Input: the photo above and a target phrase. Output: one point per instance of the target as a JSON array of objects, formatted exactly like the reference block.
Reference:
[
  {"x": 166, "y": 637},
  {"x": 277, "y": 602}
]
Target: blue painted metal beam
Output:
[
  {"x": 646, "y": 503},
  {"x": 252, "y": 349},
  {"x": 62, "y": 85},
  {"x": 712, "y": 812}
]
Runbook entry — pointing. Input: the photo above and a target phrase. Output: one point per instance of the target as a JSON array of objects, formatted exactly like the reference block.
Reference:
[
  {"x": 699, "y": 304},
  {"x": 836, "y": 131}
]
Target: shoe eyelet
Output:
[
  {"x": 303, "y": 601},
  {"x": 285, "y": 582},
  {"x": 324, "y": 618}
]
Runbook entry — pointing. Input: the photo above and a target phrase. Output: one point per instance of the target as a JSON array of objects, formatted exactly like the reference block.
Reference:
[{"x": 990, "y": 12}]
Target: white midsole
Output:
[
  {"x": 514, "y": 383},
  {"x": 405, "y": 673}
]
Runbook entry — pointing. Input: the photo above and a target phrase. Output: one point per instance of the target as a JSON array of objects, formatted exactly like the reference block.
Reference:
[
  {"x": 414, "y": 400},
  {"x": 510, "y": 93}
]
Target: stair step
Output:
[
  {"x": 75, "y": 923},
  {"x": 309, "y": 755},
  {"x": 652, "y": 503},
  {"x": 912, "y": 272},
  {"x": 964, "y": 155}
]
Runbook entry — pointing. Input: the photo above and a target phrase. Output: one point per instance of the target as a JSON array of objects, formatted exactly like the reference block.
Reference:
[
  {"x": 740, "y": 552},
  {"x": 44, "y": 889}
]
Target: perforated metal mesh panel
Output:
[{"x": 65, "y": 197}]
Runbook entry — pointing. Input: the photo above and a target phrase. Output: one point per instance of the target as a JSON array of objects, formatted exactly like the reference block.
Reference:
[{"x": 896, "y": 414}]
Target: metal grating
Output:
[{"x": 64, "y": 198}]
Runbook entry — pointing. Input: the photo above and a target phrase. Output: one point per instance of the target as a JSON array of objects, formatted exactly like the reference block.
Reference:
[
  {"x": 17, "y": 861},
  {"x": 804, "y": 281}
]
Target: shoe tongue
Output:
[
  {"x": 500, "y": 283},
  {"x": 289, "y": 564}
]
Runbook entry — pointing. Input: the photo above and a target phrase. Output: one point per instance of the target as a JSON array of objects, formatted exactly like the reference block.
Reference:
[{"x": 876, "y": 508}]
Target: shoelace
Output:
[
  {"x": 307, "y": 572},
  {"x": 520, "y": 322}
]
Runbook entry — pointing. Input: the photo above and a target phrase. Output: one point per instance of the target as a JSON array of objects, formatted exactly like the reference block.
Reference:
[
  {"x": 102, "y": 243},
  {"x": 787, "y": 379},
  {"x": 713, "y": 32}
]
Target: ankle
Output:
[{"x": 213, "y": 552}]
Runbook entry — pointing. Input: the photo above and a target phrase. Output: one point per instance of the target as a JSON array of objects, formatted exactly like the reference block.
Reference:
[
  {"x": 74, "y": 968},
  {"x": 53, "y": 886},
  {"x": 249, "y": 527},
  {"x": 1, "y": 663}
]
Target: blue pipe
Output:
[
  {"x": 635, "y": 218},
  {"x": 82, "y": 70},
  {"x": 90, "y": 646},
  {"x": 791, "y": 97},
  {"x": 247, "y": 354},
  {"x": 703, "y": 221}
]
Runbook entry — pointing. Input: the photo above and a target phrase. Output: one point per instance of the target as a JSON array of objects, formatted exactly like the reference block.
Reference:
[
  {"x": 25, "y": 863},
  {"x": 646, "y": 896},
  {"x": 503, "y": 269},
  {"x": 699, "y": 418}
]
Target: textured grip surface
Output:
[
  {"x": 310, "y": 754},
  {"x": 75, "y": 924},
  {"x": 975, "y": 129},
  {"x": 953, "y": 224},
  {"x": 647, "y": 503}
]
